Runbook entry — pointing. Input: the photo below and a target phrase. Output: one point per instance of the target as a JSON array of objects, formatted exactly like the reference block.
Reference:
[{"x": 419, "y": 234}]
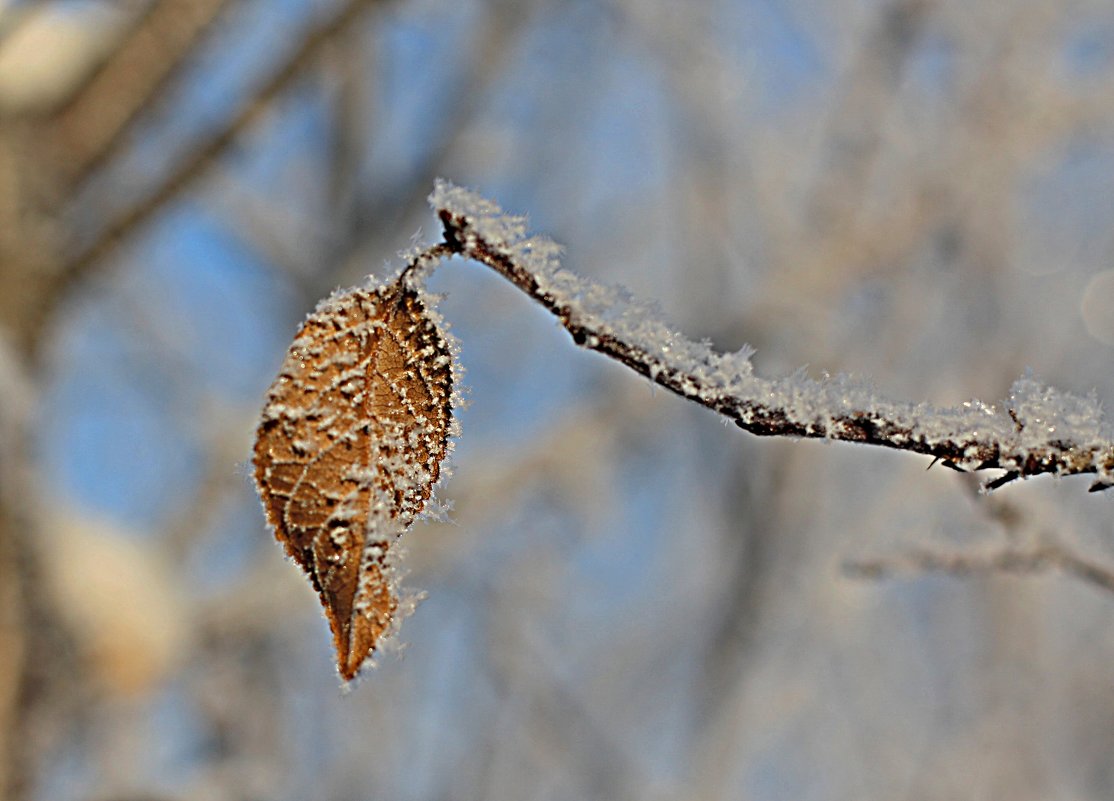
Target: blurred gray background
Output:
[{"x": 632, "y": 600}]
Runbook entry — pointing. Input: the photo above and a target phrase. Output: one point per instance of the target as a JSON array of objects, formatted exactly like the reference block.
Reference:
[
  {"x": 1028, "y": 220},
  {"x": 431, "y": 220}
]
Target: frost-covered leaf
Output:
[{"x": 350, "y": 444}]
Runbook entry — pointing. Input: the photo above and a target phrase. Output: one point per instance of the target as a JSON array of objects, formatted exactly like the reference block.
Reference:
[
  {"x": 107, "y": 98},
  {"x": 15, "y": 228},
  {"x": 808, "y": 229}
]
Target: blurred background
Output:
[{"x": 631, "y": 601}]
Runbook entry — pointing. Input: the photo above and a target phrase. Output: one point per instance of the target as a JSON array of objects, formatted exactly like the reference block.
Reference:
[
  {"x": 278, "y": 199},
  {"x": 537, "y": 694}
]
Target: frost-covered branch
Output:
[{"x": 1037, "y": 430}]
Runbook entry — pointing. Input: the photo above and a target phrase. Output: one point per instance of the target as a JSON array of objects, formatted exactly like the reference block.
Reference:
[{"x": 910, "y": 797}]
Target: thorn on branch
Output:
[{"x": 1001, "y": 481}]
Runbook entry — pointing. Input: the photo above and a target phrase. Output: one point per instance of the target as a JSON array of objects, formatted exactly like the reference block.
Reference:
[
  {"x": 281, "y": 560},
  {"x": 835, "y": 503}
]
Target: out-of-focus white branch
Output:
[{"x": 1046, "y": 555}]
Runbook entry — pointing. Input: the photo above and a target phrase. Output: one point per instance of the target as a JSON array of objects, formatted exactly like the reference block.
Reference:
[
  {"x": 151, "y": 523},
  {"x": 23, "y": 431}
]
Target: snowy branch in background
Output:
[
  {"x": 1046, "y": 555},
  {"x": 1037, "y": 430}
]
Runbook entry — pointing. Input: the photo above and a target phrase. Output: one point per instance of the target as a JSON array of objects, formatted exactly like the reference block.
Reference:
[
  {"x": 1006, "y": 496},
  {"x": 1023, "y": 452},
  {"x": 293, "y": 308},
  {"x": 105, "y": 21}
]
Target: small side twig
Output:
[{"x": 1045, "y": 556}]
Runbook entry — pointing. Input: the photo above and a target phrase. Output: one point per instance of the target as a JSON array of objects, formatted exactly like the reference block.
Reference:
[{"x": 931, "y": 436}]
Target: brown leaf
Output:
[{"x": 349, "y": 447}]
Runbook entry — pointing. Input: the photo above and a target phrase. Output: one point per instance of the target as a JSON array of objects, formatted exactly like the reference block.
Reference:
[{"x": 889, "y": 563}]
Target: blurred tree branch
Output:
[
  {"x": 48, "y": 265},
  {"x": 1046, "y": 555},
  {"x": 91, "y": 127},
  {"x": 193, "y": 166}
]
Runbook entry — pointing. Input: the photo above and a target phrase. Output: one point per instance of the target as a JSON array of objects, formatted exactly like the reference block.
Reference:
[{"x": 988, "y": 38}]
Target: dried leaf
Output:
[{"x": 349, "y": 447}]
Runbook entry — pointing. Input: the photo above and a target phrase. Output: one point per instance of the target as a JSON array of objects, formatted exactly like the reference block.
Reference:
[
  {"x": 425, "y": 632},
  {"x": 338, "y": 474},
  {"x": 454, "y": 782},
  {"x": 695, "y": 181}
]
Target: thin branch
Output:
[
  {"x": 90, "y": 128},
  {"x": 1041, "y": 431},
  {"x": 855, "y": 131},
  {"x": 1041, "y": 558},
  {"x": 198, "y": 162},
  {"x": 1041, "y": 551}
]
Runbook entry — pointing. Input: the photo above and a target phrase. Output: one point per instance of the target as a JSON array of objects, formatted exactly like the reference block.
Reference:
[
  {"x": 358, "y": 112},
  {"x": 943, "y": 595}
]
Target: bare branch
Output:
[
  {"x": 196, "y": 164},
  {"x": 1041, "y": 431},
  {"x": 1044, "y": 556},
  {"x": 89, "y": 128},
  {"x": 193, "y": 166},
  {"x": 854, "y": 136}
]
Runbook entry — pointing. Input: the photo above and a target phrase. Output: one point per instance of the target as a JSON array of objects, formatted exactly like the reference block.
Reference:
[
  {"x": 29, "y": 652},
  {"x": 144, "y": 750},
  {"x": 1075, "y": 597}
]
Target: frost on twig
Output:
[{"x": 1036, "y": 430}]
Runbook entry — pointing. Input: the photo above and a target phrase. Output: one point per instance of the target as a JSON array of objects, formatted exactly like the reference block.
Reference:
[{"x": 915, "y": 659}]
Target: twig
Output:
[
  {"x": 1045, "y": 556},
  {"x": 1044, "y": 432}
]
